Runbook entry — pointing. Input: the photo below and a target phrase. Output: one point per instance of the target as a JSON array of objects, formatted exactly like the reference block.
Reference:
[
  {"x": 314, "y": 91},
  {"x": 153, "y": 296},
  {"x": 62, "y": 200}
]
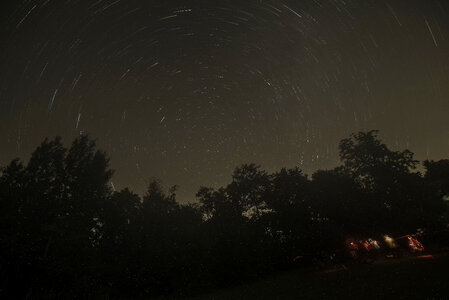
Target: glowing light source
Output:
[
  {"x": 390, "y": 241},
  {"x": 414, "y": 244}
]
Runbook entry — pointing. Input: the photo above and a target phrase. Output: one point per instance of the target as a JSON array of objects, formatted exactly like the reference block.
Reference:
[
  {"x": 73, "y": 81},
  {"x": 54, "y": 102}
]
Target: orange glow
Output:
[
  {"x": 425, "y": 256},
  {"x": 366, "y": 244},
  {"x": 415, "y": 244}
]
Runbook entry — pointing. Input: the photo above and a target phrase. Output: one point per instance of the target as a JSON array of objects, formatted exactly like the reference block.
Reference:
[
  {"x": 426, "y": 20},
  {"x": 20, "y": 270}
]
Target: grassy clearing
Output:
[{"x": 407, "y": 278}]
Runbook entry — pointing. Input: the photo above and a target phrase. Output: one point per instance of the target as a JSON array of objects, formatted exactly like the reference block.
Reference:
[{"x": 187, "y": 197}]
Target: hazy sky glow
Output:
[{"x": 187, "y": 90}]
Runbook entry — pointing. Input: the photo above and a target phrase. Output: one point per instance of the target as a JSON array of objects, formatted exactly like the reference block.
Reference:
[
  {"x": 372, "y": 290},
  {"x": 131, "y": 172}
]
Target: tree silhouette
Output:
[
  {"x": 437, "y": 174},
  {"x": 64, "y": 233},
  {"x": 392, "y": 191},
  {"x": 55, "y": 200},
  {"x": 119, "y": 240},
  {"x": 289, "y": 220}
]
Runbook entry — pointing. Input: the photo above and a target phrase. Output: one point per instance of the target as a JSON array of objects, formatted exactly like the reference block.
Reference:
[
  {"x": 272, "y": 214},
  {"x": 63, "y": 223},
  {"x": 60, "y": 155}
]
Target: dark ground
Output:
[{"x": 421, "y": 277}]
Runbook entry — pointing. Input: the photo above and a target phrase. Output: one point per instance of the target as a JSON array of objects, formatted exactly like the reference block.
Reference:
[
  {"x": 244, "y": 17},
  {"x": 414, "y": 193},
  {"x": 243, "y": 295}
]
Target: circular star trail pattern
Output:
[{"x": 187, "y": 90}]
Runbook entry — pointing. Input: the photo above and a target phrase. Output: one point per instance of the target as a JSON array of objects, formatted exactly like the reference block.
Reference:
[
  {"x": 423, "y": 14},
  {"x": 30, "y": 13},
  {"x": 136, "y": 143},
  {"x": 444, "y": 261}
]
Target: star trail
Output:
[{"x": 187, "y": 90}]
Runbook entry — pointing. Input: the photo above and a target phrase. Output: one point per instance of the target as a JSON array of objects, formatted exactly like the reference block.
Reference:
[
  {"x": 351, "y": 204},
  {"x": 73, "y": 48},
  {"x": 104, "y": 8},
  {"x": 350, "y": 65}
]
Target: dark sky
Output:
[{"x": 187, "y": 90}]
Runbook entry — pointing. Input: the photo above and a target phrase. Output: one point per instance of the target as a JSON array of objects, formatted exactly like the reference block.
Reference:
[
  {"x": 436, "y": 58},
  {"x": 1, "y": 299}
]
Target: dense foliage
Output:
[{"x": 65, "y": 233}]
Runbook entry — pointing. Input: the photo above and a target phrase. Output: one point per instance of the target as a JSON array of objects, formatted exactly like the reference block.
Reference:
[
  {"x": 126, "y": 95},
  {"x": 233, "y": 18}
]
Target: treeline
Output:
[{"x": 65, "y": 233}]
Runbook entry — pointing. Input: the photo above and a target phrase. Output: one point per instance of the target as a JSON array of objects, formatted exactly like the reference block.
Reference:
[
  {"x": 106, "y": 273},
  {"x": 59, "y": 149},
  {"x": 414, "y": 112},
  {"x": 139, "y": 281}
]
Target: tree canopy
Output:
[{"x": 65, "y": 233}]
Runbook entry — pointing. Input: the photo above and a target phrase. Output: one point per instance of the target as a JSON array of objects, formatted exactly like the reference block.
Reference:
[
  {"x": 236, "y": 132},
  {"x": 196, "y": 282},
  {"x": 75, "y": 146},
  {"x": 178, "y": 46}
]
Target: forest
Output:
[{"x": 64, "y": 232}]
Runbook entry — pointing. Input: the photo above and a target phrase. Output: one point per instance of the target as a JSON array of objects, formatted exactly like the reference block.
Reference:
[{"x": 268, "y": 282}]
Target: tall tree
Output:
[
  {"x": 56, "y": 198},
  {"x": 289, "y": 206},
  {"x": 437, "y": 174},
  {"x": 368, "y": 160},
  {"x": 399, "y": 196}
]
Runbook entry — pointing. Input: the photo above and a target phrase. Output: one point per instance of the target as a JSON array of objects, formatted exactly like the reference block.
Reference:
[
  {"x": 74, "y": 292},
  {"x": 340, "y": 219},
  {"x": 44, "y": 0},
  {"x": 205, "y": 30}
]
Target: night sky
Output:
[{"x": 187, "y": 90}]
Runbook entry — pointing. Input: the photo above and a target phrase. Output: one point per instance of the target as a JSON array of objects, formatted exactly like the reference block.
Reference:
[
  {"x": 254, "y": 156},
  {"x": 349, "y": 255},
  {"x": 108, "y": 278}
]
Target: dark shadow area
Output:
[{"x": 64, "y": 233}]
